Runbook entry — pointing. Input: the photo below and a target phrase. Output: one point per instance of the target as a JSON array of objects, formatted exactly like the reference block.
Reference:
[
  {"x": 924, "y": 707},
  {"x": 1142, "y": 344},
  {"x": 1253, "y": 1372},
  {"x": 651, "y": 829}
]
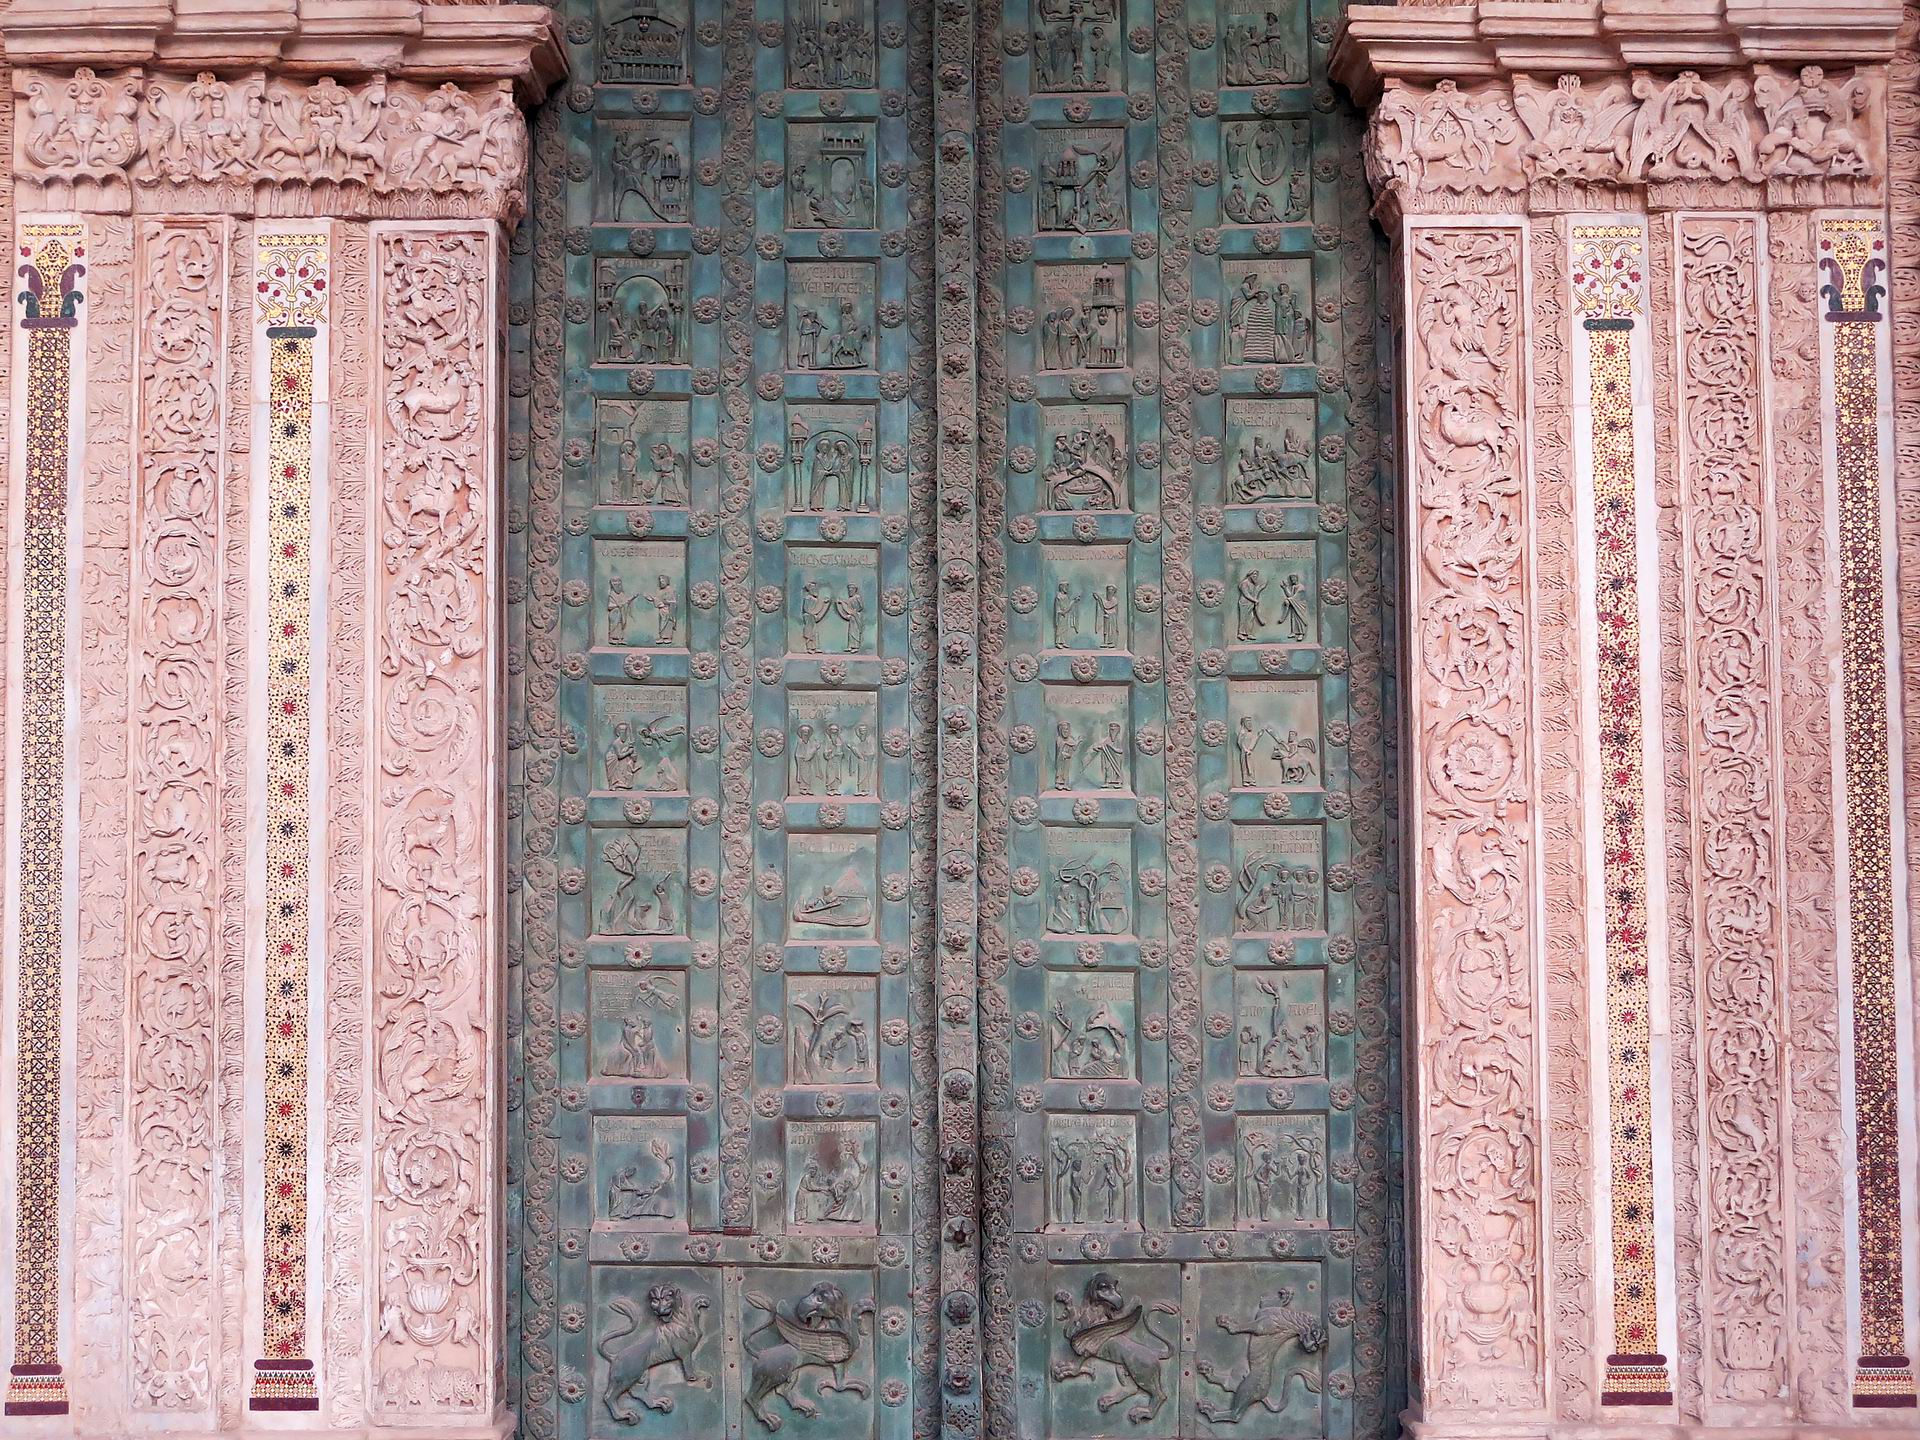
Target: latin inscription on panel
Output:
[
  {"x": 1270, "y": 451},
  {"x": 832, "y": 1030},
  {"x": 1275, "y": 597},
  {"x": 830, "y": 316},
  {"x": 640, "y": 1167},
  {"x": 1279, "y": 878},
  {"x": 832, "y": 600},
  {"x": 1090, "y": 1026},
  {"x": 831, "y": 886}
]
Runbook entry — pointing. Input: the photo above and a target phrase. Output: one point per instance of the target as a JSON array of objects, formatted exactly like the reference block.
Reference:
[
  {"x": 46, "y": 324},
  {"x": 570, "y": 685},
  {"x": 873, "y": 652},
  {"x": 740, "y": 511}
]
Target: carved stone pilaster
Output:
[
  {"x": 1720, "y": 1059},
  {"x": 274, "y": 1074}
]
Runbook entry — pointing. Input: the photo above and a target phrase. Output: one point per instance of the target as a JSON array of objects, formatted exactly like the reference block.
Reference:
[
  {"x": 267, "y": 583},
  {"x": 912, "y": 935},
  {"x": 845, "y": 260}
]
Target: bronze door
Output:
[{"x": 761, "y": 1181}]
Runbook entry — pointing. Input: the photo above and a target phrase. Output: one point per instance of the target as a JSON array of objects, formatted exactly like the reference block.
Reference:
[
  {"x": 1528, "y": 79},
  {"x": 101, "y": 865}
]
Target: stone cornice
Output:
[
  {"x": 1493, "y": 39},
  {"x": 341, "y": 39}
]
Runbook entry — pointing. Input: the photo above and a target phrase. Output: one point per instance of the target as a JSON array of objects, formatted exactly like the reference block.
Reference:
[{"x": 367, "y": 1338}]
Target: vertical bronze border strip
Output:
[
  {"x": 1853, "y": 265},
  {"x": 52, "y": 275},
  {"x": 291, "y": 300},
  {"x": 957, "y": 541},
  {"x": 1606, "y": 285}
]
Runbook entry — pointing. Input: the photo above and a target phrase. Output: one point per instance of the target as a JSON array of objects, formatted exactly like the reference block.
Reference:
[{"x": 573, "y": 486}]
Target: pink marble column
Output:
[{"x": 264, "y": 1188}]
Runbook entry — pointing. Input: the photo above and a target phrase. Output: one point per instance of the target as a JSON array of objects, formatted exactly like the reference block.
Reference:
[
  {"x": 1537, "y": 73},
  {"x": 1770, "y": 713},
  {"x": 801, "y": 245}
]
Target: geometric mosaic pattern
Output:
[
  {"x": 1606, "y": 283},
  {"x": 291, "y": 300},
  {"x": 1853, "y": 266},
  {"x": 50, "y": 298}
]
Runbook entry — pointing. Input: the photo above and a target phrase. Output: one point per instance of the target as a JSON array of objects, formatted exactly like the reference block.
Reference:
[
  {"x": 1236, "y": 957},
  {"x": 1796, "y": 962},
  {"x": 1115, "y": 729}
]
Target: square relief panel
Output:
[
  {"x": 1279, "y": 879},
  {"x": 640, "y": 311},
  {"x": 1281, "y": 1170},
  {"x": 1089, "y": 881},
  {"x": 831, "y": 1030},
  {"x": 830, "y": 44},
  {"x": 1081, "y": 184},
  {"x": 1080, "y": 316},
  {"x": 641, "y": 587},
  {"x": 1085, "y": 458},
  {"x": 638, "y": 1024},
  {"x": 643, "y": 42},
  {"x": 1275, "y": 592},
  {"x": 1093, "y": 1171},
  {"x": 640, "y": 452},
  {"x": 831, "y": 1185},
  {"x": 1275, "y": 739},
  {"x": 1269, "y": 311},
  {"x": 643, "y": 171},
  {"x": 830, "y": 459},
  {"x": 833, "y": 600},
  {"x": 831, "y": 887},
  {"x": 1078, "y": 45},
  {"x": 1090, "y": 735},
  {"x": 1268, "y": 162},
  {"x": 644, "y": 734},
  {"x": 684, "y": 1399},
  {"x": 831, "y": 175},
  {"x": 638, "y": 882},
  {"x": 1270, "y": 451},
  {"x": 1087, "y": 599},
  {"x": 1091, "y": 1025},
  {"x": 640, "y": 1172},
  {"x": 830, "y": 315},
  {"x": 1263, "y": 42},
  {"x": 833, "y": 743},
  {"x": 1260, "y": 1347},
  {"x": 1280, "y": 1021}
]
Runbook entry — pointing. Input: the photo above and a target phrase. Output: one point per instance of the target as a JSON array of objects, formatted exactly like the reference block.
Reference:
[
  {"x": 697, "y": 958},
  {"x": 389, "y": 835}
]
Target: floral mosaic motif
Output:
[
  {"x": 52, "y": 272},
  {"x": 291, "y": 301},
  {"x": 1605, "y": 282},
  {"x": 1853, "y": 263}
]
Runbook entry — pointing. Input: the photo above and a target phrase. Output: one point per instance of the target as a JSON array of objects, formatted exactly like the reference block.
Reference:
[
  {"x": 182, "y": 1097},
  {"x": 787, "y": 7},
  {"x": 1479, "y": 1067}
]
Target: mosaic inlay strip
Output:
[
  {"x": 1606, "y": 284},
  {"x": 291, "y": 298},
  {"x": 1853, "y": 264},
  {"x": 50, "y": 296}
]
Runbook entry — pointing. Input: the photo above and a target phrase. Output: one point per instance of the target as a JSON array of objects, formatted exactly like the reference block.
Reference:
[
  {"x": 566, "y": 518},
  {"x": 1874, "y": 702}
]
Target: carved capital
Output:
[
  {"x": 1580, "y": 109},
  {"x": 267, "y": 144}
]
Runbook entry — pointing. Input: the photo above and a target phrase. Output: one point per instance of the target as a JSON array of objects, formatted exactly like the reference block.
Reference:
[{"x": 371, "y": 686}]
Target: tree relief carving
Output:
[
  {"x": 432, "y": 1011},
  {"x": 1470, "y": 712},
  {"x": 127, "y": 138}
]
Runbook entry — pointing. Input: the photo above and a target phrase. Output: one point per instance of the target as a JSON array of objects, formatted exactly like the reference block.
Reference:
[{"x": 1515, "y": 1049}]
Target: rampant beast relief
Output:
[
  {"x": 822, "y": 1330},
  {"x": 667, "y": 1336}
]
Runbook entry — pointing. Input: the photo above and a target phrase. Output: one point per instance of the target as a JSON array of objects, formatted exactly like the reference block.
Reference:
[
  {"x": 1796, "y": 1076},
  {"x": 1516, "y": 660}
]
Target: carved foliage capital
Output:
[
  {"x": 1742, "y": 139},
  {"x": 268, "y": 144}
]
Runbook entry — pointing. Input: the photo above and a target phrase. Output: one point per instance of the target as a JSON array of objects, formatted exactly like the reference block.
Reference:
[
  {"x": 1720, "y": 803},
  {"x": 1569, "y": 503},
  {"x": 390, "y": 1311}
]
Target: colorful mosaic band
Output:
[
  {"x": 1853, "y": 266},
  {"x": 51, "y": 272},
  {"x": 291, "y": 297},
  {"x": 1606, "y": 285}
]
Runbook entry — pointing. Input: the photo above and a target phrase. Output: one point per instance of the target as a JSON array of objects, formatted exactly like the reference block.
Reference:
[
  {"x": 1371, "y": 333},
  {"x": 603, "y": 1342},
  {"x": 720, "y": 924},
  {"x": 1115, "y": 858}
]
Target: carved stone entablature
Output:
[
  {"x": 1581, "y": 106},
  {"x": 389, "y": 110},
  {"x": 1763, "y": 138},
  {"x": 190, "y": 144}
]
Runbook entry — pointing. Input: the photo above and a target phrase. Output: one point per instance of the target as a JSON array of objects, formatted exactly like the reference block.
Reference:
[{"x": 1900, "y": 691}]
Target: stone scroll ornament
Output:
[
  {"x": 432, "y": 926},
  {"x": 291, "y": 300},
  {"x": 1853, "y": 267},
  {"x": 1478, "y": 1027},
  {"x": 52, "y": 273},
  {"x": 179, "y": 710},
  {"x": 1607, "y": 280}
]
